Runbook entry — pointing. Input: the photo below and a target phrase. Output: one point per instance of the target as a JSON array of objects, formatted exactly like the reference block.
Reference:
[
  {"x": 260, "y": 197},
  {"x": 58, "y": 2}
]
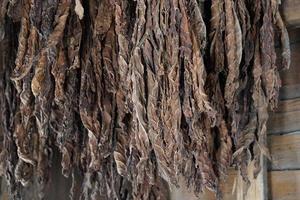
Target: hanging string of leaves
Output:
[{"x": 136, "y": 94}]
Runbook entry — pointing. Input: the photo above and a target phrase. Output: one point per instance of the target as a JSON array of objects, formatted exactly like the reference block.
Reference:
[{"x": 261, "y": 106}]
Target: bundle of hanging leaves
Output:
[{"x": 136, "y": 94}]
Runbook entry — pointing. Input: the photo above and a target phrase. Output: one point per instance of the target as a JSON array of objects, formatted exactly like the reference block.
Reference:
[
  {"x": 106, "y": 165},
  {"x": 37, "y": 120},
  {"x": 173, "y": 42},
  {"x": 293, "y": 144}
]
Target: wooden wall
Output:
[{"x": 284, "y": 132}]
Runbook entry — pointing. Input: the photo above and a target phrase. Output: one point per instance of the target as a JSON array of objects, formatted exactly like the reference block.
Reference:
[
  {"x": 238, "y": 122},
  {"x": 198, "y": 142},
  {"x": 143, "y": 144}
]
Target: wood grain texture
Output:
[
  {"x": 232, "y": 187},
  {"x": 290, "y": 9},
  {"x": 257, "y": 189},
  {"x": 286, "y": 118},
  {"x": 285, "y": 151},
  {"x": 228, "y": 188},
  {"x": 289, "y": 91},
  {"x": 284, "y": 185}
]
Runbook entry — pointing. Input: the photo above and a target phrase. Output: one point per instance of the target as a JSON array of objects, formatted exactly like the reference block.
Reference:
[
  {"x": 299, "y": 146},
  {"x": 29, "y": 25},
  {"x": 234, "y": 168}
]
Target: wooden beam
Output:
[
  {"x": 286, "y": 118},
  {"x": 285, "y": 151},
  {"x": 284, "y": 185},
  {"x": 291, "y": 14}
]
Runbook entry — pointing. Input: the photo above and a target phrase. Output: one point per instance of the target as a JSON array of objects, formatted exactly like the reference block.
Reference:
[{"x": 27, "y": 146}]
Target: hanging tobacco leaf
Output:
[{"x": 136, "y": 95}]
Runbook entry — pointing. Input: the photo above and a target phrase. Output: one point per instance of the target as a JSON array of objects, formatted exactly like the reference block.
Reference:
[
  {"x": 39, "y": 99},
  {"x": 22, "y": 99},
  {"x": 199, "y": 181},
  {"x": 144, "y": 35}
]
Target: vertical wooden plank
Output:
[{"x": 258, "y": 187}]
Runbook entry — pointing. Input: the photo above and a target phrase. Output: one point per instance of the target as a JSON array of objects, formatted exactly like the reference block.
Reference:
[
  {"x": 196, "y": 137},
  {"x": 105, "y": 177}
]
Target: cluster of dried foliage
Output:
[{"x": 136, "y": 94}]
